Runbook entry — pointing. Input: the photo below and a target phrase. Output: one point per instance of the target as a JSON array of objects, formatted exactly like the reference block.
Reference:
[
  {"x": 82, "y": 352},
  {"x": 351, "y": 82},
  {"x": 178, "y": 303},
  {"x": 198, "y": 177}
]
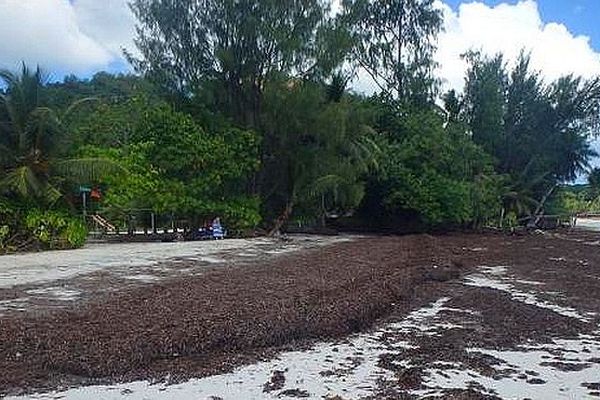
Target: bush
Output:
[
  {"x": 241, "y": 214},
  {"x": 4, "y": 235},
  {"x": 75, "y": 234},
  {"x": 55, "y": 230},
  {"x": 9, "y": 217}
]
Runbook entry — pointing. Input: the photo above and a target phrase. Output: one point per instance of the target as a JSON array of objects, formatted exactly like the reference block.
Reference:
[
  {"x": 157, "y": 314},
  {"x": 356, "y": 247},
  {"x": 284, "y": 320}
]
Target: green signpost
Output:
[{"x": 84, "y": 190}]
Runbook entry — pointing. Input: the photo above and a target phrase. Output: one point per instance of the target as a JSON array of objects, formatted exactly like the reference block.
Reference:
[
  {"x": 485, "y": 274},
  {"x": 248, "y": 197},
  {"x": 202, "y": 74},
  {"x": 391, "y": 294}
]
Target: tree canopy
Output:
[
  {"x": 394, "y": 42},
  {"x": 241, "y": 109}
]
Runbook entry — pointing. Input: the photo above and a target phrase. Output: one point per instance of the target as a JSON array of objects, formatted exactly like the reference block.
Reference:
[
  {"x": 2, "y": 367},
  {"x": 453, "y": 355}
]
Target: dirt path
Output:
[{"x": 521, "y": 320}]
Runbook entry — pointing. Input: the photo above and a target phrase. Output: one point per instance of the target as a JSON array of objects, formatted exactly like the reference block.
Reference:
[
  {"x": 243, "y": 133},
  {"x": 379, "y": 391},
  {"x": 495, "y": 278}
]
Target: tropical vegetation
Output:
[{"x": 243, "y": 110}]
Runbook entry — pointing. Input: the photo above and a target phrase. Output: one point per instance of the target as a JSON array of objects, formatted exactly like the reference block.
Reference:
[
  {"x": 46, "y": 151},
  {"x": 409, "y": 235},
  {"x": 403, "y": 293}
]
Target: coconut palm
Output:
[{"x": 32, "y": 142}]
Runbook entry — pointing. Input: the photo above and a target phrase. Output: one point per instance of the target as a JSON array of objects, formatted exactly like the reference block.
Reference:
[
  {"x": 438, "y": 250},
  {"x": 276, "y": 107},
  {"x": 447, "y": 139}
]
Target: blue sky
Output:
[{"x": 582, "y": 17}]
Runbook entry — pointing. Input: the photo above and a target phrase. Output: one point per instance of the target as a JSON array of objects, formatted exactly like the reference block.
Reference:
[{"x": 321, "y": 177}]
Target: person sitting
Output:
[{"x": 217, "y": 229}]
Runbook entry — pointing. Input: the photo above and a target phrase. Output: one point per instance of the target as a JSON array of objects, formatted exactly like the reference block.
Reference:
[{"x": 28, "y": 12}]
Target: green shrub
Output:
[
  {"x": 55, "y": 230},
  {"x": 4, "y": 233},
  {"x": 75, "y": 234},
  {"x": 9, "y": 217},
  {"x": 242, "y": 214}
]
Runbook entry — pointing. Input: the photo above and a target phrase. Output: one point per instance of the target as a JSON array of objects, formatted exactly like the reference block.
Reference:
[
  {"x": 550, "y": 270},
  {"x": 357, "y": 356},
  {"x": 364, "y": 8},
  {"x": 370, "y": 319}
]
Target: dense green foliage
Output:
[
  {"x": 36, "y": 167},
  {"x": 173, "y": 166},
  {"x": 34, "y": 228},
  {"x": 240, "y": 109},
  {"x": 537, "y": 132},
  {"x": 431, "y": 174},
  {"x": 434, "y": 173}
]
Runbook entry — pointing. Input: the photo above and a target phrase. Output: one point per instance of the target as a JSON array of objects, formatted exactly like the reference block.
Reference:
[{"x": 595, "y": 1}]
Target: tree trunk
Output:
[
  {"x": 537, "y": 214},
  {"x": 400, "y": 71},
  {"x": 323, "y": 212},
  {"x": 282, "y": 219}
]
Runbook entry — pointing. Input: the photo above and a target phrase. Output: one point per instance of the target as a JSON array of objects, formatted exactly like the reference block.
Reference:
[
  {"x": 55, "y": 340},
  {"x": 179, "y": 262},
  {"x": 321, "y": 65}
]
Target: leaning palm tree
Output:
[{"x": 32, "y": 142}]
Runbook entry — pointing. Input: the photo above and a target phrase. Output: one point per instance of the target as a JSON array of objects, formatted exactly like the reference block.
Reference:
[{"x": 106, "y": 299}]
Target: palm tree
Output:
[
  {"x": 32, "y": 142},
  {"x": 326, "y": 149},
  {"x": 519, "y": 193},
  {"x": 336, "y": 89}
]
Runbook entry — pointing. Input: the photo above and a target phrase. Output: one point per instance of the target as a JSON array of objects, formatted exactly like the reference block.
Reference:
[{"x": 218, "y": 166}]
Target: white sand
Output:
[
  {"x": 588, "y": 223},
  {"x": 54, "y": 265}
]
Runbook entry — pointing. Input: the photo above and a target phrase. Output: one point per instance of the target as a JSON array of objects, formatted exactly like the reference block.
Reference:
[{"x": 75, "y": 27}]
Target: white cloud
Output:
[
  {"x": 508, "y": 29},
  {"x": 109, "y": 22},
  {"x": 46, "y": 32},
  {"x": 76, "y": 37}
]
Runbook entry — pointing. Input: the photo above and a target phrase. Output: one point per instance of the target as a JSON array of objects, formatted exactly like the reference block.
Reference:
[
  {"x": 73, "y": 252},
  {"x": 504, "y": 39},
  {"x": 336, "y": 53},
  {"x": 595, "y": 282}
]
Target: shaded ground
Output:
[{"x": 518, "y": 320}]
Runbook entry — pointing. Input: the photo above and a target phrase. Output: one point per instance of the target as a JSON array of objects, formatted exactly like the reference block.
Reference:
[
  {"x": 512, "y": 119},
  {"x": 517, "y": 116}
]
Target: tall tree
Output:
[
  {"x": 538, "y": 133},
  {"x": 316, "y": 150},
  {"x": 485, "y": 100},
  {"x": 395, "y": 42},
  {"x": 190, "y": 46}
]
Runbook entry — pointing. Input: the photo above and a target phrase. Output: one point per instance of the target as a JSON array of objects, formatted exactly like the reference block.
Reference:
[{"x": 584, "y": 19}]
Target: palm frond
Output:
[
  {"x": 367, "y": 152},
  {"x": 79, "y": 103},
  {"x": 325, "y": 184},
  {"x": 22, "y": 181},
  {"x": 87, "y": 170},
  {"x": 8, "y": 77},
  {"x": 52, "y": 194},
  {"x": 337, "y": 87}
]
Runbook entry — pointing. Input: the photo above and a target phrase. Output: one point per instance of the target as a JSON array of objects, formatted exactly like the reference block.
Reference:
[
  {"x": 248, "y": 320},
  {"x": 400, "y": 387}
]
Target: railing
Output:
[
  {"x": 549, "y": 221},
  {"x": 588, "y": 215},
  {"x": 103, "y": 223},
  {"x": 143, "y": 225}
]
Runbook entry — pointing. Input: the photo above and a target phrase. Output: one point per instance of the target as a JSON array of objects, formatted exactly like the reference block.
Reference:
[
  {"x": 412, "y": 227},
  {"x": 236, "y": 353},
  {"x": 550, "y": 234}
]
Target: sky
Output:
[
  {"x": 579, "y": 16},
  {"x": 85, "y": 36},
  {"x": 562, "y": 35}
]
